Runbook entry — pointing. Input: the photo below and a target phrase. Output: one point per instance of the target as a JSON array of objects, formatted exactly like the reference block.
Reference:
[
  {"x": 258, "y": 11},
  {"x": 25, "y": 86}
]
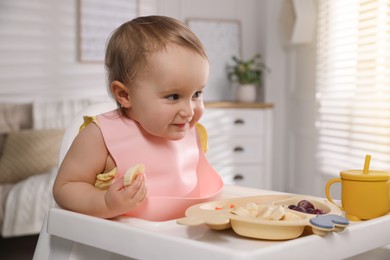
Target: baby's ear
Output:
[{"x": 121, "y": 93}]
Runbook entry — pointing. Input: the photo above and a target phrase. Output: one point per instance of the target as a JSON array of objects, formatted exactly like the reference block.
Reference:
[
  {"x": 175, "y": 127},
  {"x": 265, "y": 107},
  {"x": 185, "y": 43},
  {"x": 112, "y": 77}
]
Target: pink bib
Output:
[{"x": 177, "y": 173}]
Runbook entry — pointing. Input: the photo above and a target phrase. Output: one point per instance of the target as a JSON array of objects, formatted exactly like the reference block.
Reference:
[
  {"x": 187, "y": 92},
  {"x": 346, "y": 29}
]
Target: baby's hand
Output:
[
  {"x": 132, "y": 173},
  {"x": 121, "y": 199}
]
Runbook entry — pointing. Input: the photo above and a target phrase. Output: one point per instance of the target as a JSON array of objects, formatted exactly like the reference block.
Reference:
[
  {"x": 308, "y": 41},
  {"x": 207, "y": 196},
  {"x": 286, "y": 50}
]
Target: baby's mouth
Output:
[{"x": 181, "y": 125}]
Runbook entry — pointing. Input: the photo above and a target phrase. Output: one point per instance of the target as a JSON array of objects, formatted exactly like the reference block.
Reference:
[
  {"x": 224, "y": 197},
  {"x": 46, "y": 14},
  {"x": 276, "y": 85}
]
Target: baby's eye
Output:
[
  {"x": 173, "y": 97},
  {"x": 197, "y": 94}
]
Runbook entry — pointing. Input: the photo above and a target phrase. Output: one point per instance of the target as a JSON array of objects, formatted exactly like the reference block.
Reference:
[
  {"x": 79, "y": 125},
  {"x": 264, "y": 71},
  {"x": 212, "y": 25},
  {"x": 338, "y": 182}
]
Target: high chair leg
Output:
[
  {"x": 54, "y": 247},
  {"x": 51, "y": 247}
]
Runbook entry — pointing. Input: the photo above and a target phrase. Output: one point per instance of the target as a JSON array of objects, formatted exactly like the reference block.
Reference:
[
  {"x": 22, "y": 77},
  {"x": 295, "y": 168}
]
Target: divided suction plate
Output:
[{"x": 217, "y": 215}]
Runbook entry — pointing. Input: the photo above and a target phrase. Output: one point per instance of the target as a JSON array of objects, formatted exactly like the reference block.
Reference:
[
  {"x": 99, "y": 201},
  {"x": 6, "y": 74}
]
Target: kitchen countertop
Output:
[{"x": 74, "y": 235}]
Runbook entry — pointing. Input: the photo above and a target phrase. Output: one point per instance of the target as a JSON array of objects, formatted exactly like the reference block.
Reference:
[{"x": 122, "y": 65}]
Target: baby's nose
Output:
[{"x": 187, "y": 109}]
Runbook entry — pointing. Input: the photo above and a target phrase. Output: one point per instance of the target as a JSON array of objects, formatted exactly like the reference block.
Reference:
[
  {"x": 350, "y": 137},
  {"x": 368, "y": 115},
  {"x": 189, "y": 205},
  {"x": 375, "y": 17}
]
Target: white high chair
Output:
[{"x": 70, "y": 235}]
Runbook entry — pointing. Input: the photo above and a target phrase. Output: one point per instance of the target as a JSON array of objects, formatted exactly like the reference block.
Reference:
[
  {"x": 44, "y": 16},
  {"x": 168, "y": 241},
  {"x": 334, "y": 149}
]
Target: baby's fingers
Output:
[
  {"x": 136, "y": 185},
  {"x": 140, "y": 193},
  {"x": 118, "y": 184}
]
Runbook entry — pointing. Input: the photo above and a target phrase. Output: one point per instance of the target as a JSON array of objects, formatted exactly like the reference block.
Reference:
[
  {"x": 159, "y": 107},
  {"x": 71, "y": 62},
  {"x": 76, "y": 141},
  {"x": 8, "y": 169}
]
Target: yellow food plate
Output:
[{"x": 217, "y": 215}]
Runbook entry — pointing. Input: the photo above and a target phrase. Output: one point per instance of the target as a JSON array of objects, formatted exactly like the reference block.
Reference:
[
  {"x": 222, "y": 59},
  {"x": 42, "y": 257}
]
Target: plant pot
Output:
[{"x": 246, "y": 93}]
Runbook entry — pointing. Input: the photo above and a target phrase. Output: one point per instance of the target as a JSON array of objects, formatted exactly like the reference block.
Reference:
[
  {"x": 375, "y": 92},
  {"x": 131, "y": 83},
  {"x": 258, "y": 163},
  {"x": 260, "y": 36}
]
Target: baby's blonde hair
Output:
[{"x": 131, "y": 44}]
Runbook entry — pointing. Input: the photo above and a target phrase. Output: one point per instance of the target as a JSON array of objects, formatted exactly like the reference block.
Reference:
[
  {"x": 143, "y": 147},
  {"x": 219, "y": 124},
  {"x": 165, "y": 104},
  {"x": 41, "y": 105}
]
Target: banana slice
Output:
[
  {"x": 261, "y": 210},
  {"x": 133, "y": 172},
  {"x": 267, "y": 212},
  {"x": 240, "y": 211},
  {"x": 277, "y": 214},
  {"x": 290, "y": 216},
  {"x": 253, "y": 209}
]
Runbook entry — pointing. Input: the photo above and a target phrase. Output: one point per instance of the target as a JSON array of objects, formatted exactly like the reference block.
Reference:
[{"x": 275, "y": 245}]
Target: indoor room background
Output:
[
  {"x": 329, "y": 103},
  {"x": 39, "y": 60}
]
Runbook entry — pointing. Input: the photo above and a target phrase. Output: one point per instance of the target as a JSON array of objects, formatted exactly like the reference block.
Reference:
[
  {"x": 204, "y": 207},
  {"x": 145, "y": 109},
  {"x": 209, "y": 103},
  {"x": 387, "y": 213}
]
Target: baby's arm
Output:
[{"x": 74, "y": 186}]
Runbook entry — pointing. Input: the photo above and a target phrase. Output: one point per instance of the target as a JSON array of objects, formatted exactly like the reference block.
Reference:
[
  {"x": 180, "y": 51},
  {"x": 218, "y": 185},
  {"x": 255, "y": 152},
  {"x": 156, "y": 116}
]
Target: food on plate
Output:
[
  {"x": 231, "y": 206},
  {"x": 290, "y": 216},
  {"x": 267, "y": 212},
  {"x": 132, "y": 173},
  {"x": 306, "y": 207},
  {"x": 241, "y": 211}
]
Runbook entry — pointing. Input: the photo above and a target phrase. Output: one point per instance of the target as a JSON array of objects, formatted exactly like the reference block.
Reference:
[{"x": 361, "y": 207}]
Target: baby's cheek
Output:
[
  {"x": 198, "y": 113},
  {"x": 199, "y": 110}
]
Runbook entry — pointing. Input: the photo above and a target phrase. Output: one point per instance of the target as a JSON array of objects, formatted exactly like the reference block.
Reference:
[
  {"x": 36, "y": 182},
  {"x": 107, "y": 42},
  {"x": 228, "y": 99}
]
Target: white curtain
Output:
[{"x": 353, "y": 84}]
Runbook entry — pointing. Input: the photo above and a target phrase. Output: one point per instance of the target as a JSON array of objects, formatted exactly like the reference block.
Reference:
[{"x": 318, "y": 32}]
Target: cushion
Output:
[
  {"x": 2, "y": 139},
  {"x": 14, "y": 117},
  {"x": 29, "y": 152}
]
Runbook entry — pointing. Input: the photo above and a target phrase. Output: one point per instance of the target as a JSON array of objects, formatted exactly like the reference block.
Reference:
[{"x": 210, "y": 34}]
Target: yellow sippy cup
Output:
[{"x": 365, "y": 194}]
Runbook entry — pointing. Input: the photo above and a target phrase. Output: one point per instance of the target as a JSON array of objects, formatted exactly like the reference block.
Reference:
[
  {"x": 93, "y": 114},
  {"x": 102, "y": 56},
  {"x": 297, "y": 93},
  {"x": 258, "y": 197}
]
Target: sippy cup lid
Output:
[{"x": 371, "y": 175}]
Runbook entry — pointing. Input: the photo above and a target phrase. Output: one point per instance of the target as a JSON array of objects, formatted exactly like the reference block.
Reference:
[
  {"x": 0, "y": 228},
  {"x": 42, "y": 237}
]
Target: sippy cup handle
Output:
[
  {"x": 327, "y": 190},
  {"x": 388, "y": 189}
]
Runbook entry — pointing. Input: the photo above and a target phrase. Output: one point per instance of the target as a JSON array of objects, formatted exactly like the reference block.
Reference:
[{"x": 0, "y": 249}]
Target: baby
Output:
[{"x": 157, "y": 71}]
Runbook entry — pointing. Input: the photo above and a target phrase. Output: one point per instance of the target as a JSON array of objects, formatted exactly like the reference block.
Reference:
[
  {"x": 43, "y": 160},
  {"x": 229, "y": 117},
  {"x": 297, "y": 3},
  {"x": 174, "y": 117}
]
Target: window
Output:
[{"x": 353, "y": 84}]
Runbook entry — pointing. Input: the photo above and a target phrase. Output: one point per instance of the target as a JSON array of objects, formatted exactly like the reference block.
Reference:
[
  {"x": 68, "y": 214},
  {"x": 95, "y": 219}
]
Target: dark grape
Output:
[
  {"x": 300, "y": 209},
  {"x": 292, "y": 206},
  {"x": 316, "y": 211},
  {"x": 306, "y": 204}
]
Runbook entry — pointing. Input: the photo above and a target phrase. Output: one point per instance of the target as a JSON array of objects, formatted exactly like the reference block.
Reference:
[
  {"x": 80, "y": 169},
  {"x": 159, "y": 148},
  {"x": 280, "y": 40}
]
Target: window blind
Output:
[{"x": 353, "y": 84}]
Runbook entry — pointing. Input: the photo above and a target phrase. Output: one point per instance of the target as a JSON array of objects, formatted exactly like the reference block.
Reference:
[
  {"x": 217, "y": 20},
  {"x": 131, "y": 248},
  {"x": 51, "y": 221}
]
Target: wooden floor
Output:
[{"x": 18, "y": 248}]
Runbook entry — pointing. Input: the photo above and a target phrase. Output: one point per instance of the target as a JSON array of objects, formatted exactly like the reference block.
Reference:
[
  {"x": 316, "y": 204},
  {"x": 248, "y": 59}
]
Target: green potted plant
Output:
[{"x": 248, "y": 74}]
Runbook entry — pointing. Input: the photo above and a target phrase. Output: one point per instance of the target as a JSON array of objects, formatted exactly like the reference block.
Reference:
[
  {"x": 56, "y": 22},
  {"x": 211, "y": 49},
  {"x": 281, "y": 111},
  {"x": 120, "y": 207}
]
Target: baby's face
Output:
[{"x": 168, "y": 101}]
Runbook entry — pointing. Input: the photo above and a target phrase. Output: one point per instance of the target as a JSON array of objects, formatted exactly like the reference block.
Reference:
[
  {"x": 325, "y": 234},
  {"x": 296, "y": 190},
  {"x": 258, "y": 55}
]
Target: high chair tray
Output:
[{"x": 69, "y": 235}]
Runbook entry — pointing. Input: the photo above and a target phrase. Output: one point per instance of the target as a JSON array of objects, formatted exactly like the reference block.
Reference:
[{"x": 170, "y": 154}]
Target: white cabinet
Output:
[{"x": 240, "y": 142}]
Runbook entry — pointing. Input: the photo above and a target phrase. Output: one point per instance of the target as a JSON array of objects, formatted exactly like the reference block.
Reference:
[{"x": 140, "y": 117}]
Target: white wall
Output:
[
  {"x": 38, "y": 48},
  {"x": 38, "y": 52},
  {"x": 291, "y": 87},
  {"x": 245, "y": 12},
  {"x": 302, "y": 176}
]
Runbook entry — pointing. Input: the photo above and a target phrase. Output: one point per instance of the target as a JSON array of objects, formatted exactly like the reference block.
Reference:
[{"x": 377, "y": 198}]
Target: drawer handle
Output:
[
  {"x": 239, "y": 122},
  {"x": 238, "y": 149},
  {"x": 238, "y": 177}
]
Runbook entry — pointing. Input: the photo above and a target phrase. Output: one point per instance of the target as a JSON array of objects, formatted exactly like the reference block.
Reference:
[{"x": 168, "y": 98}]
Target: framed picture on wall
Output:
[
  {"x": 96, "y": 21},
  {"x": 222, "y": 40}
]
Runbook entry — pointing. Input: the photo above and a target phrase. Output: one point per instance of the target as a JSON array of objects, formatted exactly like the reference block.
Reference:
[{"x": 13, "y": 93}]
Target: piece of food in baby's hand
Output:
[{"x": 132, "y": 173}]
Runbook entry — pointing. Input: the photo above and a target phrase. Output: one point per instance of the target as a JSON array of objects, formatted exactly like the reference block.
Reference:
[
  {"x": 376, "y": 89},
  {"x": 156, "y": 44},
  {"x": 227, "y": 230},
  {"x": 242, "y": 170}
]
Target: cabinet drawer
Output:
[
  {"x": 234, "y": 121},
  {"x": 249, "y": 176},
  {"x": 225, "y": 150}
]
